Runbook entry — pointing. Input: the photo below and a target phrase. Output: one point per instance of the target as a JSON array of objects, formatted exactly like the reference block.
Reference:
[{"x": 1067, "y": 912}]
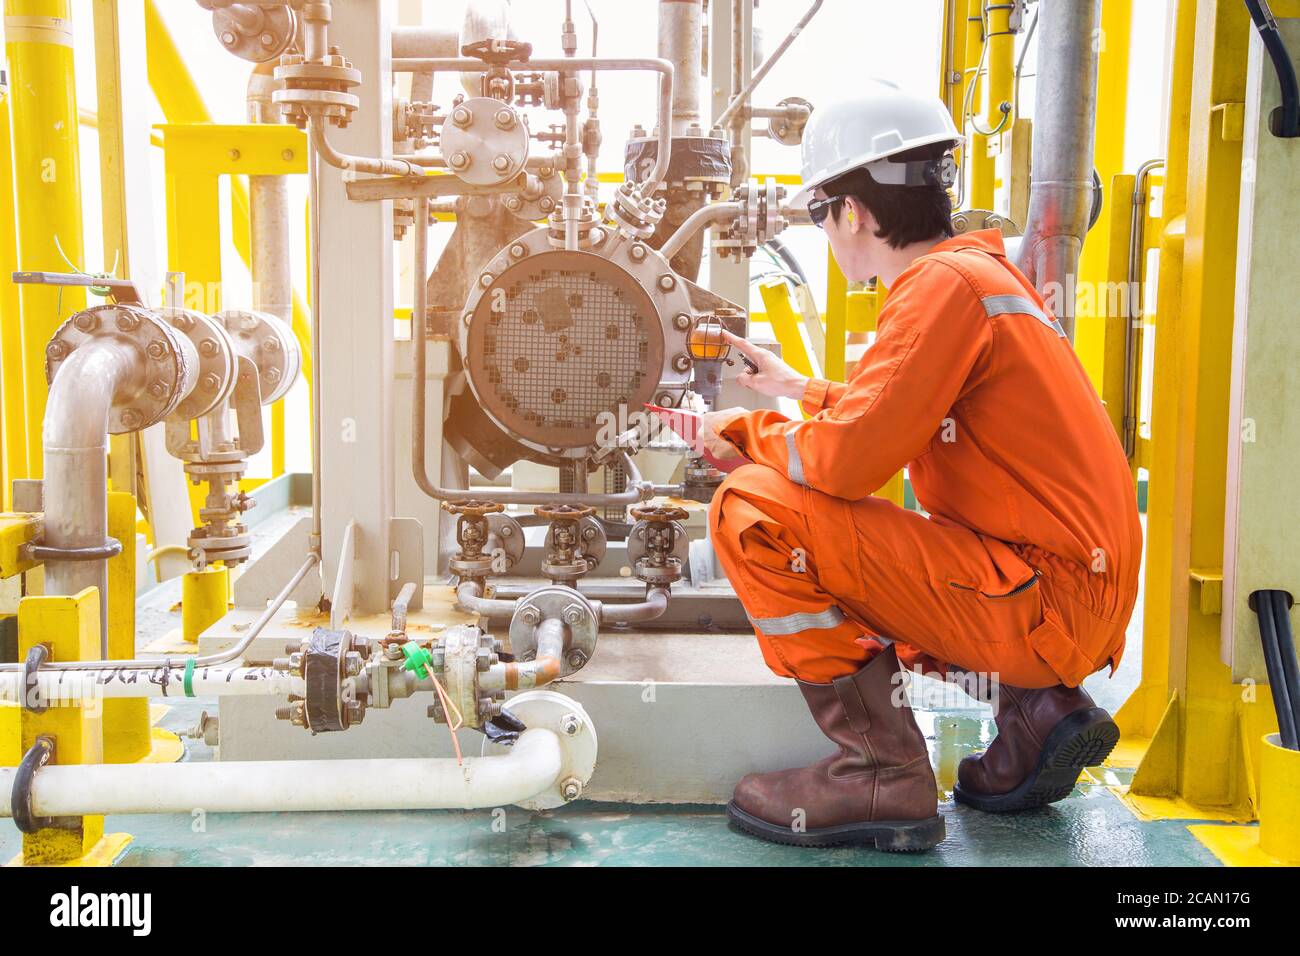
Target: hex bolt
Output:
[
  {"x": 667, "y": 283},
  {"x": 571, "y": 789},
  {"x": 271, "y": 345},
  {"x": 637, "y": 252},
  {"x": 157, "y": 349},
  {"x": 681, "y": 321},
  {"x": 462, "y": 117},
  {"x": 272, "y": 375},
  {"x": 157, "y": 389},
  {"x": 209, "y": 347},
  {"x": 518, "y": 250},
  {"x": 228, "y": 38},
  {"x": 127, "y": 322},
  {"x": 131, "y": 419},
  {"x": 530, "y": 616},
  {"x": 681, "y": 362},
  {"x": 210, "y": 381},
  {"x": 546, "y": 204},
  {"x": 577, "y": 659},
  {"x": 571, "y": 724},
  {"x": 268, "y": 39},
  {"x": 56, "y": 350},
  {"x": 183, "y": 321},
  {"x": 485, "y": 279},
  {"x": 459, "y": 160},
  {"x": 572, "y": 615},
  {"x": 664, "y": 399},
  {"x": 86, "y": 321},
  {"x": 501, "y": 163},
  {"x": 514, "y": 203},
  {"x": 505, "y": 119}
]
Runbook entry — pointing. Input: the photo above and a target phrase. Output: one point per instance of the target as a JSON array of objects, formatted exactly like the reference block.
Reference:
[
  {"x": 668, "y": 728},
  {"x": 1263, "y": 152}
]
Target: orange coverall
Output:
[{"x": 1027, "y": 565}]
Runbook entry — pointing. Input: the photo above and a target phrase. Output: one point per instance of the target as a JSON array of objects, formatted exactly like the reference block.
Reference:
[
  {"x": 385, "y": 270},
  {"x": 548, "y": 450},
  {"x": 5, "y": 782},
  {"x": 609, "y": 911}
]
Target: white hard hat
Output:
[{"x": 866, "y": 129}]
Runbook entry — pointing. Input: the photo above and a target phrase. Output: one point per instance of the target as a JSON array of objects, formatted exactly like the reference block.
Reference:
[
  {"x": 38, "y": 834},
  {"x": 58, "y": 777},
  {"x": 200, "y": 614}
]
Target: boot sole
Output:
[
  {"x": 1082, "y": 740},
  {"x": 892, "y": 836}
]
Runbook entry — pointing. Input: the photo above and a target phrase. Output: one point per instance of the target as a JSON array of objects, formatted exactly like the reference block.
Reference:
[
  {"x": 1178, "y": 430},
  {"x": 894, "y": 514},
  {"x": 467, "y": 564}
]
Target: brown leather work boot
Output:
[
  {"x": 1045, "y": 739},
  {"x": 877, "y": 789}
]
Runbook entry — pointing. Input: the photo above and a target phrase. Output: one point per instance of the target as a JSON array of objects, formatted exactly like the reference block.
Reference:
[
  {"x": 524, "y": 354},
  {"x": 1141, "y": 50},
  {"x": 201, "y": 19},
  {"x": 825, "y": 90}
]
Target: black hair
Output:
[{"x": 904, "y": 214}]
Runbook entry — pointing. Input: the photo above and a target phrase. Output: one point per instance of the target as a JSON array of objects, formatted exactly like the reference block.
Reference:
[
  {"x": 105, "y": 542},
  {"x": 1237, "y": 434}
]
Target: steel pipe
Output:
[
  {"x": 75, "y": 440},
  {"x": 569, "y": 65},
  {"x": 739, "y": 99},
  {"x": 703, "y": 217},
  {"x": 680, "y": 40},
  {"x": 533, "y": 765},
  {"x": 1061, "y": 191},
  {"x": 654, "y": 605},
  {"x": 111, "y": 683}
]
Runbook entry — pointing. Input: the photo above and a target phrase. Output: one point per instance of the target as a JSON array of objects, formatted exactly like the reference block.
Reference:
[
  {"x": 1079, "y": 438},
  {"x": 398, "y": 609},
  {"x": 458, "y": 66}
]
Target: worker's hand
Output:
[
  {"x": 773, "y": 377},
  {"x": 711, "y": 424}
]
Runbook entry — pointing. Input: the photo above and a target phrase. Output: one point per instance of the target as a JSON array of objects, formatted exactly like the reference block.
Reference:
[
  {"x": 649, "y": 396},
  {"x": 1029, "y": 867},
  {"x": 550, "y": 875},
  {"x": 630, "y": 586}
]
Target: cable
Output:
[
  {"x": 1284, "y": 122},
  {"x": 788, "y": 258},
  {"x": 1286, "y": 650},
  {"x": 1261, "y": 603}
]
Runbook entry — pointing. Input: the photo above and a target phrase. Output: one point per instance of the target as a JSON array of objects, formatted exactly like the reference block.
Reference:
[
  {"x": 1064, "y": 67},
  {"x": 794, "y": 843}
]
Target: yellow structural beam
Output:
[
  {"x": 13, "y": 413},
  {"x": 182, "y": 103},
  {"x": 47, "y": 177},
  {"x": 1204, "y": 730},
  {"x": 981, "y": 167}
]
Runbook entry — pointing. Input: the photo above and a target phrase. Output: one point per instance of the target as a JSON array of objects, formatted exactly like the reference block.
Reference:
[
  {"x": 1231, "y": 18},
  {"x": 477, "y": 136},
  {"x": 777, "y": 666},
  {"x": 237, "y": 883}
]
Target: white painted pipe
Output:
[
  {"x": 69, "y": 687},
  {"x": 532, "y": 766}
]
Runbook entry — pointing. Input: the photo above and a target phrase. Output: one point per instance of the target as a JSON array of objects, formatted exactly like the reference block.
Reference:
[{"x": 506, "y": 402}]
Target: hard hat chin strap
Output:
[{"x": 917, "y": 172}]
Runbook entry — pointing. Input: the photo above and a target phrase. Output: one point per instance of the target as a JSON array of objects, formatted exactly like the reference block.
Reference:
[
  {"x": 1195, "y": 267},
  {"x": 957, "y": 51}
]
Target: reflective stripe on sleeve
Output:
[
  {"x": 802, "y": 621},
  {"x": 794, "y": 464},
  {"x": 1016, "y": 305}
]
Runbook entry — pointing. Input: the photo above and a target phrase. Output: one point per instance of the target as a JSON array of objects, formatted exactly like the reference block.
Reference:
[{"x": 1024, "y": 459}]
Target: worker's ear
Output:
[{"x": 855, "y": 215}]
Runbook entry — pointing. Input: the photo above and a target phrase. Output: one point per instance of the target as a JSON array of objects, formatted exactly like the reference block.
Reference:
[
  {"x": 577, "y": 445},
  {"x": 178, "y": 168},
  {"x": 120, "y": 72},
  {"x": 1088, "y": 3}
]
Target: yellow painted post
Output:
[
  {"x": 13, "y": 411},
  {"x": 1095, "y": 328},
  {"x": 1142, "y": 712},
  {"x": 1001, "y": 67},
  {"x": 38, "y": 40},
  {"x": 69, "y": 626},
  {"x": 205, "y": 599},
  {"x": 128, "y": 732},
  {"x": 982, "y": 168}
]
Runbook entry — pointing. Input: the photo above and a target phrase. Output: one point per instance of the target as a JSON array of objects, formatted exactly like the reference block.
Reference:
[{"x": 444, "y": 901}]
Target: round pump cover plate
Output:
[{"x": 560, "y": 339}]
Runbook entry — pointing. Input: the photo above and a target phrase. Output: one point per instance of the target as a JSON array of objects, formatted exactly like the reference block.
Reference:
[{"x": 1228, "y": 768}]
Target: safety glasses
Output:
[{"x": 819, "y": 209}]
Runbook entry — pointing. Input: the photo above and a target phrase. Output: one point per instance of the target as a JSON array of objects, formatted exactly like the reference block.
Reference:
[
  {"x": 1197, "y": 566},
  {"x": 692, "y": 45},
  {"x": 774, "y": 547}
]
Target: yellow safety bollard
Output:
[
  {"x": 1279, "y": 814},
  {"x": 205, "y": 598}
]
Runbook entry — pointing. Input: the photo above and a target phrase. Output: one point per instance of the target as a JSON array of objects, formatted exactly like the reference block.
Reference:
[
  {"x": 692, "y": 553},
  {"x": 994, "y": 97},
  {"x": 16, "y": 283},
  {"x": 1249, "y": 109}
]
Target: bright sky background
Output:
[{"x": 848, "y": 41}]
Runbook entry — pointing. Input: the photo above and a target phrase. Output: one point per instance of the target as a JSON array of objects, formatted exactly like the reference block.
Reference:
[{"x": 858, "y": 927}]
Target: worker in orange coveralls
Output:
[{"x": 1025, "y": 569}]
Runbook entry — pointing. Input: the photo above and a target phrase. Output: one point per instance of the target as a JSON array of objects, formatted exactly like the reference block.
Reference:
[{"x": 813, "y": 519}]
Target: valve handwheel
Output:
[
  {"x": 473, "y": 508},
  {"x": 660, "y": 514},
  {"x": 563, "y": 512}
]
